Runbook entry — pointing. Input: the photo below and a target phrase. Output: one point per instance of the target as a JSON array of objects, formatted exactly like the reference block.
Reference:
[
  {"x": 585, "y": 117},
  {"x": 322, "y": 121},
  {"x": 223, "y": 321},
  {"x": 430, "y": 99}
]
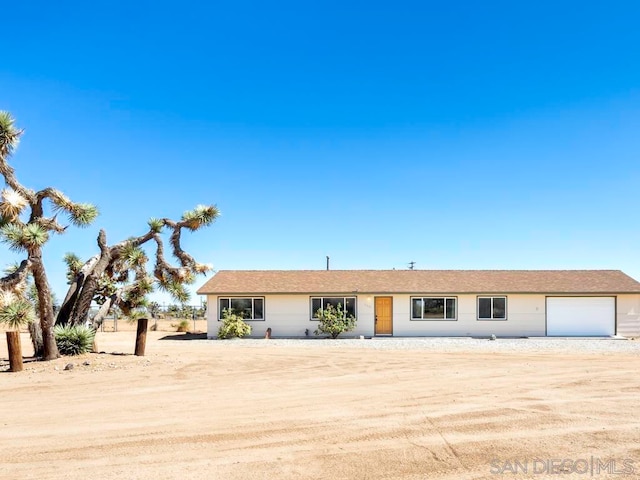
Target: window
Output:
[
  {"x": 246, "y": 307},
  {"x": 320, "y": 303},
  {"x": 492, "y": 308},
  {"x": 433, "y": 308}
]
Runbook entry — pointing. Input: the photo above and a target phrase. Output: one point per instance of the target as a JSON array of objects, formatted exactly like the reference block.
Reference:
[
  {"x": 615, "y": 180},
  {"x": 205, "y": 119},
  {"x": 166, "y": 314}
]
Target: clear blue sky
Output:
[{"x": 494, "y": 134}]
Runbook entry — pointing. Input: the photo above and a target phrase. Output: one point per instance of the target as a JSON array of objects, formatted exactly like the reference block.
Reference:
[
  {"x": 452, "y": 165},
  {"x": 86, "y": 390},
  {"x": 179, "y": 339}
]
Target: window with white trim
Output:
[
  {"x": 492, "y": 308},
  {"x": 433, "y": 308},
  {"x": 348, "y": 305},
  {"x": 249, "y": 308}
]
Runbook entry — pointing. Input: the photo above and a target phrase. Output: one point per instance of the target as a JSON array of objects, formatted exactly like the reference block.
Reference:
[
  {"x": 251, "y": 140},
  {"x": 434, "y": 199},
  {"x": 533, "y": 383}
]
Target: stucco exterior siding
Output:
[
  {"x": 525, "y": 317},
  {"x": 288, "y": 316}
]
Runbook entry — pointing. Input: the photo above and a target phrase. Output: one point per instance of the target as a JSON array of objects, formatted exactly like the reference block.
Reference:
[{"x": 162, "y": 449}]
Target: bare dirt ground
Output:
[{"x": 217, "y": 410}]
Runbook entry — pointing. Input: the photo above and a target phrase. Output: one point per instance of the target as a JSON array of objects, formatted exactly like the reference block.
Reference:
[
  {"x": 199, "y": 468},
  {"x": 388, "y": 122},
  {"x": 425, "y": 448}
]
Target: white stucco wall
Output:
[
  {"x": 525, "y": 317},
  {"x": 288, "y": 316}
]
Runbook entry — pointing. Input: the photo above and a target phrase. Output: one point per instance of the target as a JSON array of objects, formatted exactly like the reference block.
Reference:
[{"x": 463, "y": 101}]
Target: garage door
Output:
[{"x": 581, "y": 316}]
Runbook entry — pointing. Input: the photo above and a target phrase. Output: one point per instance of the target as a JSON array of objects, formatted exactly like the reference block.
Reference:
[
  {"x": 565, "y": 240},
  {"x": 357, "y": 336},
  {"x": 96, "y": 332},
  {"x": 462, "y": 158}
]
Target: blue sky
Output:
[{"x": 493, "y": 134}]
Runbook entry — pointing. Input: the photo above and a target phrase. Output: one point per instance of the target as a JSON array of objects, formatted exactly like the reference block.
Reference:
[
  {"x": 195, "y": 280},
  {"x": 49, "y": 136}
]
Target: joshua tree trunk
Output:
[
  {"x": 87, "y": 284},
  {"x": 103, "y": 312},
  {"x": 75, "y": 307},
  {"x": 36, "y": 339},
  {"x": 68, "y": 304},
  {"x": 45, "y": 308}
]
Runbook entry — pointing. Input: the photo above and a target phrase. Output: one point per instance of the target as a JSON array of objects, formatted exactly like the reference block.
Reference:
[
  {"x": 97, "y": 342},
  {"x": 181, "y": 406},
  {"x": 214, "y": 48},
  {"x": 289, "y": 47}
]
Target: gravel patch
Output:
[{"x": 447, "y": 344}]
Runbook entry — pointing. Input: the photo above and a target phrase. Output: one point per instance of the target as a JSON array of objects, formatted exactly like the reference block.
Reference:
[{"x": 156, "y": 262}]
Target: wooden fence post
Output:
[
  {"x": 15, "y": 351},
  {"x": 141, "y": 336}
]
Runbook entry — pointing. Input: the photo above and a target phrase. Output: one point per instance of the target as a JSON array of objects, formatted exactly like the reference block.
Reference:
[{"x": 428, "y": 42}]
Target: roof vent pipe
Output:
[{"x": 327, "y": 262}]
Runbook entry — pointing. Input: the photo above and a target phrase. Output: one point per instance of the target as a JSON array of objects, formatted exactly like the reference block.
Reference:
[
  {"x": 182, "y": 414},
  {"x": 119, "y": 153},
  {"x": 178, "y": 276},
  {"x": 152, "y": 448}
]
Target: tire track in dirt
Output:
[{"x": 294, "y": 413}]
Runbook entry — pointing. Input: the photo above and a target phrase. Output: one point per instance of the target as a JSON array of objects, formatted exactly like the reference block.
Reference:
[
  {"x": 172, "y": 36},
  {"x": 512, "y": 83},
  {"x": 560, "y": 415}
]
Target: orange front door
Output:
[{"x": 384, "y": 316}]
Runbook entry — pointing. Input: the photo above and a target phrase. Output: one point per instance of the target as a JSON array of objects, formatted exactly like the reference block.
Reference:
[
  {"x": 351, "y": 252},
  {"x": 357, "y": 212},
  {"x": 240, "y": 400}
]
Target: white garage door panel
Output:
[{"x": 581, "y": 316}]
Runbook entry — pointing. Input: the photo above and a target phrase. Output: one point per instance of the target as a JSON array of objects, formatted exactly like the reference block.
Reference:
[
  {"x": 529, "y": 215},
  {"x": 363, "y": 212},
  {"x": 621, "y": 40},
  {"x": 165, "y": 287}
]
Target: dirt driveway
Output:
[{"x": 210, "y": 410}]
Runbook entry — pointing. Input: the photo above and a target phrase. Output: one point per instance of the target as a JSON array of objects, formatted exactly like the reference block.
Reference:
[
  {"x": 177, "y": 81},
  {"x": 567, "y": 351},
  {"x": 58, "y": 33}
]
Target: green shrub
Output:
[
  {"x": 233, "y": 326},
  {"x": 74, "y": 339},
  {"x": 183, "y": 326},
  {"x": 333, "y": 321}
]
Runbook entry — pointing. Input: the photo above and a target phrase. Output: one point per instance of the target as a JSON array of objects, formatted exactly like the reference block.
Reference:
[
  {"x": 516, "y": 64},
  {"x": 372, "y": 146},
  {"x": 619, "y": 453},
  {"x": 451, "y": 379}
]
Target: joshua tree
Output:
[
  {"x": 117, "y": 276},
  {"x": 25, "y": 226},
  {"x": 154, "y": 309}
]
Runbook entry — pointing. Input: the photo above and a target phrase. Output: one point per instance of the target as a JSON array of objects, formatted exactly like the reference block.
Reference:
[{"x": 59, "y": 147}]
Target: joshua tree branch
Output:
[{"x": 17, "y": 277}]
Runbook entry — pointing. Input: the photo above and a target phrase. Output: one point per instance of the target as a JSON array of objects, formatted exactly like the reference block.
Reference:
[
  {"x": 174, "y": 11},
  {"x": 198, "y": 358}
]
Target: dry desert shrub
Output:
[{"x": 183, "y": 326}]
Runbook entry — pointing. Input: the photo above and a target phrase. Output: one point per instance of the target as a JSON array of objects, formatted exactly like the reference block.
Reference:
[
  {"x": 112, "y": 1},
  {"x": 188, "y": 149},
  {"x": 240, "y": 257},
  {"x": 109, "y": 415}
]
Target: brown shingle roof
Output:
[{"x": 419, "y": 281}]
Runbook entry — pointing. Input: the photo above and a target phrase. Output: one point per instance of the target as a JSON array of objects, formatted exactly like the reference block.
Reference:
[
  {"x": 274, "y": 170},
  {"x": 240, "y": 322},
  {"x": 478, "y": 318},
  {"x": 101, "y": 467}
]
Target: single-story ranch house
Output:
[{"x": 431, "y": 302}]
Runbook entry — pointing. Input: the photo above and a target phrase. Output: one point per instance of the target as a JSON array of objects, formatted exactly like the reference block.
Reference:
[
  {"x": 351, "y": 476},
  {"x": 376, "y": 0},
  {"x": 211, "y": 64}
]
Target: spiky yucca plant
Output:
[
  {"x": 200, "y": 216},
  {"x": 15, "y": 312},
  {"x": 74, "y": 339},
  {"x": 11, "y": 204},
  {"x": 9, "y": 134}
]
